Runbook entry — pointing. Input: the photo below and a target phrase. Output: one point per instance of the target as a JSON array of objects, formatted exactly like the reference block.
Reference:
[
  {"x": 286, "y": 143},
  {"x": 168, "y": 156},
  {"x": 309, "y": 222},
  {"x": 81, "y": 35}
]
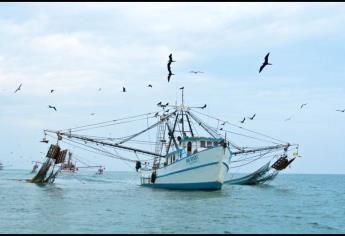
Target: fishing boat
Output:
[
  {"x": 69, "y": 166},
  {"x": 188, "y": 154}
]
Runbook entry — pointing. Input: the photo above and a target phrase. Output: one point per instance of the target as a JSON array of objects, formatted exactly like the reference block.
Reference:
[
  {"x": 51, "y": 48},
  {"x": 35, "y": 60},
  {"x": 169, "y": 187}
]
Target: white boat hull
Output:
[{"x": 204, "y": 170}]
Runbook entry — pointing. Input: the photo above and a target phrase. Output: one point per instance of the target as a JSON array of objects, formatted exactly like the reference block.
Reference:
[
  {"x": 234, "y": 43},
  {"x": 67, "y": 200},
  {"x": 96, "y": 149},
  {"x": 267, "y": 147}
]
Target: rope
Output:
[
  {"x": 241, "y": 127},
  {"x": 124, "y": 118}
]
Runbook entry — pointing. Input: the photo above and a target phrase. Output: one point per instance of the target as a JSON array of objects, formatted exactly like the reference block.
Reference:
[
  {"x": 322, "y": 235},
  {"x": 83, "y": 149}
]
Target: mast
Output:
[{"x": 182, "y": 108}]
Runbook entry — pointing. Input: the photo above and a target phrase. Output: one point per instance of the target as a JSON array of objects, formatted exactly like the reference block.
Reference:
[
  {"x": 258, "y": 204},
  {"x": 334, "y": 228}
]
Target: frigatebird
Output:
[
  {"x": 195, "y": 72},
  {"x": 18, "y": 88},
  {"x": 265, "y": 63},
  {"x": 304, "y": 104},
  {"x": 52, "y": 107},
  {"x": 252, "y": 117}
]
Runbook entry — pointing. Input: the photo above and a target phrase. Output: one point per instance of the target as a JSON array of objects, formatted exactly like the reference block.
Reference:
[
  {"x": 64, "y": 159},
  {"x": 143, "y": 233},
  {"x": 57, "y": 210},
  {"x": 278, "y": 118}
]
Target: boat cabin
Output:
[{"x": 192, "y": 145}]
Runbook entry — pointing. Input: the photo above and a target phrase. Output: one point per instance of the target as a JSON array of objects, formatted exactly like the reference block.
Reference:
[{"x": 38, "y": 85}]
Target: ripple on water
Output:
[{"x": 114, "y": 202}]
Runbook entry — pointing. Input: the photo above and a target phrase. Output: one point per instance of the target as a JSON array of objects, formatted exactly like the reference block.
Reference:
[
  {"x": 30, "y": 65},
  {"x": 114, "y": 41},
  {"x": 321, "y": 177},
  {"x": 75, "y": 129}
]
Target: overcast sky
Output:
[{"x": 76, "y": 48}]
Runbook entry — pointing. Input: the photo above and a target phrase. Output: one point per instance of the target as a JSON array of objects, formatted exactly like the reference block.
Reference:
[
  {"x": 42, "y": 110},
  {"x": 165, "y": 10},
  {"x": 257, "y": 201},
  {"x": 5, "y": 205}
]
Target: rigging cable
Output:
[{"x": 242, "y": 127}]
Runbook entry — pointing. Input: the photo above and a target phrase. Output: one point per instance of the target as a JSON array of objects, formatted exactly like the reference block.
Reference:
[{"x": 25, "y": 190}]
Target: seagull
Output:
[
  {"x": 52, "y": 107},
  {"x": 304, "y": 104},
  {"x": 92, "y": 114},
  {"x": 203, "y": 107},
  {"x": 51, "y": 91},
  {"x": 195, "y": 72},
  {"x": 18, "y": 88},
  {"x": 159, "y": 104},
  {"x": 221, "y": 129},
  {"x": 242, "y": 121},
  {"x": 287, "y": 119},
  {"x": 149, "y": 85},
  {"x": 341, "y": 110},
  {"x": 123, "y": 89},
  {"x": 44, "y": 141},
  {"x": 252, "y": 117},
  {"x": 182, "y": 88},
  {"x": 265, "y": 63}
]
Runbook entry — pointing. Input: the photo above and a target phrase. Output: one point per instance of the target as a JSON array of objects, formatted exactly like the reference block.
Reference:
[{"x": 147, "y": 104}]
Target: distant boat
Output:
[{"x": 69, "y": 166}]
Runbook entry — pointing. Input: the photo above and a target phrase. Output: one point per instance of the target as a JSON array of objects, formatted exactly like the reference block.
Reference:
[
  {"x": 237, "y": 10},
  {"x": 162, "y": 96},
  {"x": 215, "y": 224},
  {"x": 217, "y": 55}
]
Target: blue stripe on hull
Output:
[{"x": 188, "y": 186}]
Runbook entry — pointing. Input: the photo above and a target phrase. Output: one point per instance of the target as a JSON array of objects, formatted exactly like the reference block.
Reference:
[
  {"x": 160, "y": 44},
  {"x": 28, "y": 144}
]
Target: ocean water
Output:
[{"x": 114, "y": 203}]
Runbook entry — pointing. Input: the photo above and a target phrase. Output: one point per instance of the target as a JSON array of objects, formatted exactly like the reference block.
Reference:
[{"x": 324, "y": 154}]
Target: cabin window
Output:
[
  {"x": 209, "y": 143},
  {"x": 202, "y": 144},
  {"x": 189, "y": 147}
]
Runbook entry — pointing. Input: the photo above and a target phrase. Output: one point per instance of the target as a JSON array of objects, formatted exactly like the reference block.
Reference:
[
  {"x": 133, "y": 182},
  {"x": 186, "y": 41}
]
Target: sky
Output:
[{"x": 76, "y": 48}]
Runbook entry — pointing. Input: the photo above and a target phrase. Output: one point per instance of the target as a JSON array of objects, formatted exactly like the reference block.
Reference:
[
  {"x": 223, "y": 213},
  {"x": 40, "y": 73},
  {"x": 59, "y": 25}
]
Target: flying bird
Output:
[
  {"x": 149, "y": 85},
  {"x": 156, "y": 114},
  {"x": 221, "y": 129},
  {"x": 99, "y": 89},
  {"x": 123, "y": 89},
  {"x": 195, "y": 72},
  {"x": 164, "y": 105},
  {"x": 265, "y": 63},
  {"x": 169, "y": 66},
  {"x": 252, "y": 117},
  {"x": 18, "y": 88},
  {"x": 182, "y": 88},
  {"x": 52, "y": 90},
  {"x": 304, "y": 104},
  {"x": 203, "y": 107},
  {"x": 159, "y": 104},
  {"x": 44, "y": 141},
  {"x": 242, "y": 121},
  {"x": 223, "y": 123},
  {"x": 341, "y": 110},
  {"x": 92, "y": 114},
  {"x": 287, "y": 119},
  {"x": 52, "y": 107}
]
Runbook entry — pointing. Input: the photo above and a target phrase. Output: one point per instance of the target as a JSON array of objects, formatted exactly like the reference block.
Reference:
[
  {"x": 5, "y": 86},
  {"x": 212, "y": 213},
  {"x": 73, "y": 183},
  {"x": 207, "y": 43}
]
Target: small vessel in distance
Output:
[{"x": 69, "y": 166}]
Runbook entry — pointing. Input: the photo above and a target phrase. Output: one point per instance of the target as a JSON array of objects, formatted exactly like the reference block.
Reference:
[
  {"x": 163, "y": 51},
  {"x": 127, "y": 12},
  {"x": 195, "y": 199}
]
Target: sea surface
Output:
[{"x": 115, "y": 203}]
